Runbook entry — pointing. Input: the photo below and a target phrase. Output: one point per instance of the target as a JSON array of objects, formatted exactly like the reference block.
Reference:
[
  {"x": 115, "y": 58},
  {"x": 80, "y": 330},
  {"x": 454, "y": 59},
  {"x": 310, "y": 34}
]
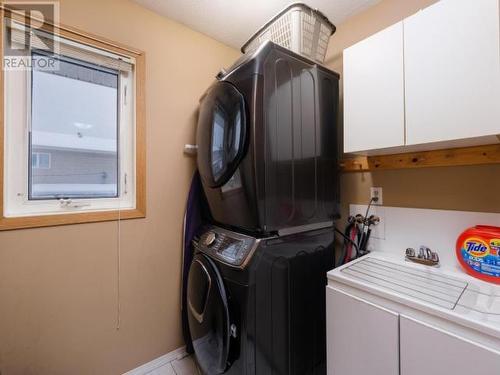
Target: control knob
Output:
[{"x": 209, "y": 239}]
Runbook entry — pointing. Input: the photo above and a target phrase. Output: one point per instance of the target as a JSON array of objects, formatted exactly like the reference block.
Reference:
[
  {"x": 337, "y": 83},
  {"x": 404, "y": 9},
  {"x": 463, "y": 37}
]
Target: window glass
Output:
[
  {"x": 226, "y": 137},
  {"x": 236, "y": 134},
  {"x": 218, "y": 159},
  {"x": 74, "y": 132},
  {"x": 40, "y": 160}
]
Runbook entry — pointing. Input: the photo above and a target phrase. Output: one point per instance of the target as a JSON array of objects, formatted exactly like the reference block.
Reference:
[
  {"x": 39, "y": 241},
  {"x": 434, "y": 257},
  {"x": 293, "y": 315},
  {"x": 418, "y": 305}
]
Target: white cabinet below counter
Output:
[
  {"x": 429, "y": 350},
  {"x": 431, "y": 81},
  {"x": 395, "y": 318},
  {"x": 363, "y": 338}
]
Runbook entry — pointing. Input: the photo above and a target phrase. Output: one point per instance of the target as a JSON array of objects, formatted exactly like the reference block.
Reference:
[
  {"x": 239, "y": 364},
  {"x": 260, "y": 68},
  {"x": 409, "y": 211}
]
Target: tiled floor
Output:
[{"x": 184, "y": 366}]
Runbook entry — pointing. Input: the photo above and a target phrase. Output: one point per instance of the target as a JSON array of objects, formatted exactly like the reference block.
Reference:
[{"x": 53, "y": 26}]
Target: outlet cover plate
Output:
[{"x": 377, "y": 192}]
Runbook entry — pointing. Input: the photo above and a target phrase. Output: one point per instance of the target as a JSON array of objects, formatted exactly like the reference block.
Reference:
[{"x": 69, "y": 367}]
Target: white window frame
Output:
[{"x": 17, "y": 105}]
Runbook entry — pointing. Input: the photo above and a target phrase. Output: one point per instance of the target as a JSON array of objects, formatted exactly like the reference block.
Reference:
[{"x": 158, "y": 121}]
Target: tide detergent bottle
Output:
[{"x": 478, "y": 251}]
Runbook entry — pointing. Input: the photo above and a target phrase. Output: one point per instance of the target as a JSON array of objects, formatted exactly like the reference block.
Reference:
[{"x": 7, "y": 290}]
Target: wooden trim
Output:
[
  {"x": 140, "y": 136},
  {"x": 73, "y": 33},
  {"x": 2, "y": 113},
  {"x": 25, "y": 222},
  {"x": 476, "y": 155}
]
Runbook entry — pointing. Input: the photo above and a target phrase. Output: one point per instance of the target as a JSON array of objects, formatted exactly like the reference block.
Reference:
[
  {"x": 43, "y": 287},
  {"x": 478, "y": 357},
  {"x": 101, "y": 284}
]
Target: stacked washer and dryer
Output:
[{"x": 267, "y": 157}]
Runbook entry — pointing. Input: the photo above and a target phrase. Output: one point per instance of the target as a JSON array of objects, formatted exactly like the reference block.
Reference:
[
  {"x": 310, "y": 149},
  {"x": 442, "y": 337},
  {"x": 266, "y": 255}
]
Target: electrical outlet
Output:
[{"x": 376, "y": 192}]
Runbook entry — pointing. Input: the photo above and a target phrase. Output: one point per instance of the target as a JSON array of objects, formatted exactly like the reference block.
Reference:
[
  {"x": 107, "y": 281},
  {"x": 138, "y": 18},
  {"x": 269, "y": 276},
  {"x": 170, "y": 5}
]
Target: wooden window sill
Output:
[{"x": 25, "y": 222}]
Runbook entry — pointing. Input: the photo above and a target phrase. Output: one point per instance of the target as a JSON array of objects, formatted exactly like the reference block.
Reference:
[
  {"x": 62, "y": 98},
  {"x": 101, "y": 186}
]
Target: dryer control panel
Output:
[{"x": 232, "y": 248}]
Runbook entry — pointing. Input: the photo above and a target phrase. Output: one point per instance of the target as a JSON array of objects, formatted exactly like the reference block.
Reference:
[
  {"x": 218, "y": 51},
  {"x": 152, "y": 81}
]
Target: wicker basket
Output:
[{"x": 298, "y": 28}]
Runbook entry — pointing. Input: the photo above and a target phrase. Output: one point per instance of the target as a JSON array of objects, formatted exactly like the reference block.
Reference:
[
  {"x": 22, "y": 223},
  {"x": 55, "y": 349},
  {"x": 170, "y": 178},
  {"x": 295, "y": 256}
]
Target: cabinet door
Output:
[
  {"x": 452, "y": 72},
  {"x": 362, "y": 338},
  {"x": 374, "y": 92},
  {"x": 432, "y": 351}
]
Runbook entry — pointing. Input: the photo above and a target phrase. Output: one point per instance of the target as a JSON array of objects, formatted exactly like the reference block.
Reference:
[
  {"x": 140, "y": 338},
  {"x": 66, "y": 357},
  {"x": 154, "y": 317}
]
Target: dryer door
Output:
[
  {"x": 221, "y": 133},
  {"x": 208, "y": 315}
]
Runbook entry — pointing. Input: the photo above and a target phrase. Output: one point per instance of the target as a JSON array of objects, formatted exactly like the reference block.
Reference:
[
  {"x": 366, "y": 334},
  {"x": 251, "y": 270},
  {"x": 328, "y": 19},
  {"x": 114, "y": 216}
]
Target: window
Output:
[
  {"x": 74, "y": 116},
  {"x": 40, "y": 160},
  {"x": 72, "y": 135},
  {"x": 219, "y": 126}
]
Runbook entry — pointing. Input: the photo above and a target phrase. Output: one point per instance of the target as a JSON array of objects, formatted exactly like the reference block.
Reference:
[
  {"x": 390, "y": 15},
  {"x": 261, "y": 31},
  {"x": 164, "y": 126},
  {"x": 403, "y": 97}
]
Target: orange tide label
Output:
[{"x": 477, "y": 247}]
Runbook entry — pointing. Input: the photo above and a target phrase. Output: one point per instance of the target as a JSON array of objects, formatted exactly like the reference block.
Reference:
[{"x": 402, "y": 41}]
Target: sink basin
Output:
[{"x": 425, "y": 285}]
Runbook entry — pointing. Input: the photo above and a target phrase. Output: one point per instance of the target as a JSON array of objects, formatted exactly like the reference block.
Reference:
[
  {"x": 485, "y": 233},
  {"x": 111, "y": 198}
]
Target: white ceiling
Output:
[{"x": 234, "y": 21}]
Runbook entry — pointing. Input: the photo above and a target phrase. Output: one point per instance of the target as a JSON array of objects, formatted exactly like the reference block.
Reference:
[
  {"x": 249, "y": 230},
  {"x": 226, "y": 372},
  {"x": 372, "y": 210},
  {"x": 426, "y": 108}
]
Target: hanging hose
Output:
[
  {"x": 348, "y": 242},
  {"x": 352, "y": 231},
  {"x": 355, "y": 235}
]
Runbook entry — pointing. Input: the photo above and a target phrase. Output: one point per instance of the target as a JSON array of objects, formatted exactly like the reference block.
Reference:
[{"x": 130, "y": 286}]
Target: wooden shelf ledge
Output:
[{"x": 477, "y": 155}]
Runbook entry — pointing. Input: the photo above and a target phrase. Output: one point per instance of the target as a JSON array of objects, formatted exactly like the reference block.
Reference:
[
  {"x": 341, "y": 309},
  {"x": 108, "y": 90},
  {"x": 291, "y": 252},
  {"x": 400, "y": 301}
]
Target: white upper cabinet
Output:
[
  {"x": 452, "y": 71},
  {"x": 429, "y": 82},
  {"x": 374, "y": 92}
]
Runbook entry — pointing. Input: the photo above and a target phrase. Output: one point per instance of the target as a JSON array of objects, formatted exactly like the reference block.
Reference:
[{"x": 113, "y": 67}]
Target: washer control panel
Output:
[{"x": 229, "y": 247}]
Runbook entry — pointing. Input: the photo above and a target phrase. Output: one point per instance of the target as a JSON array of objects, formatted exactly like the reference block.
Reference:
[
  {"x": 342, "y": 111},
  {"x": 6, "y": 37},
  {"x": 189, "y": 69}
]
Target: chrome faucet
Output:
[{"x": 425, "y": 256}]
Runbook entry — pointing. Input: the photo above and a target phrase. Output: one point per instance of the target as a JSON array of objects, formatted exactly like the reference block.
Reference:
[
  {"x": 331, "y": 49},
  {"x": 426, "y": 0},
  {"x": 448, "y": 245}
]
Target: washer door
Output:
[
  {"x": 221, "y": 133},
  {"x": 208, "y": 315}
]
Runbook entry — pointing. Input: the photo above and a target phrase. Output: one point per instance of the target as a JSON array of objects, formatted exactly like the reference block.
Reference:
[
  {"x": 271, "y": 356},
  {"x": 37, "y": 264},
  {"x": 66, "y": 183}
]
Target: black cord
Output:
[
  {"x": 366, "y": 214},
  {"x": 347, "y": 239},
  {"x": 360, "y": 235},
  {"x": 373, "y": 199}
]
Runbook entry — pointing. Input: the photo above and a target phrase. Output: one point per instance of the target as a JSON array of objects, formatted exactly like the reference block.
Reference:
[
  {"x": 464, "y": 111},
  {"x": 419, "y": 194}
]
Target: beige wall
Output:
[
  {"x": 58, "y": 286},
  {"x": 457, "y": 188}
]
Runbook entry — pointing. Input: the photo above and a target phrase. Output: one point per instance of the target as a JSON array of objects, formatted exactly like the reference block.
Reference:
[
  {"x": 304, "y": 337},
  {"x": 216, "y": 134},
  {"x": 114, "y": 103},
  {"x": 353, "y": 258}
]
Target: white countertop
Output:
[{"x": 444, "y": 292}]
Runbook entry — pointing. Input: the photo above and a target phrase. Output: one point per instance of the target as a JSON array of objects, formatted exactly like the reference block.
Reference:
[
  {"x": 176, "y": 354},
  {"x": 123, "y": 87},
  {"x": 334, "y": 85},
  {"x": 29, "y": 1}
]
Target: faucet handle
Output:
[
  {"x": 422, "y": 253},
  {"x": 425, "y": 252},
  {"x": 410, "y": 252},
  {"x": 429, "y": 254}
]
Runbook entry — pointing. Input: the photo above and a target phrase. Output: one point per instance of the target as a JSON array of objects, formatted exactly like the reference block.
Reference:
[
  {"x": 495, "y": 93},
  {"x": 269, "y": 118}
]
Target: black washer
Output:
[{"x": 208, "y": 315}]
